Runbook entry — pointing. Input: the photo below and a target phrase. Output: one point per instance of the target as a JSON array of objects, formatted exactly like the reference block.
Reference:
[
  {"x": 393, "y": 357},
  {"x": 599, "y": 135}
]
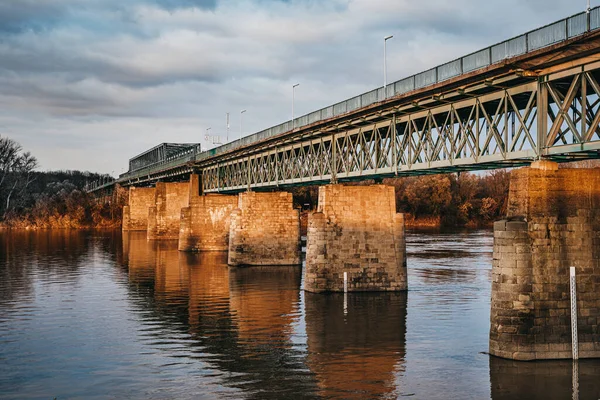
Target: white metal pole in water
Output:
[
  {"x": 574, "y": 338},
  {"x": 575, "y": 380},
  {"x": 345, "y": 282}
]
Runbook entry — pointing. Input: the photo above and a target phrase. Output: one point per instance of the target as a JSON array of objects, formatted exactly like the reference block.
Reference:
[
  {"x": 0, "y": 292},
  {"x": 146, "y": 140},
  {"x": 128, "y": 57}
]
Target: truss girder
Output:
[{"x": 497, "y": 129}]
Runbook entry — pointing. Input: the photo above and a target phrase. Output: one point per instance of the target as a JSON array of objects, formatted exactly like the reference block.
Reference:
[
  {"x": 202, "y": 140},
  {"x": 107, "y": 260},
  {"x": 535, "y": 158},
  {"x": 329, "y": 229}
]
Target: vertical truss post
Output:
[
  {"x": 506, "y": 137},
  {"x": 249, "y": 174},
  {"x": 393, "y": 143},
  {"x": 542, "y": 117},
  {"x": 333, "y": 159},
  {"x": 276, "y": 167},
  {"x": 218, "y": 177},
  {"x": 583, "y": 106}
]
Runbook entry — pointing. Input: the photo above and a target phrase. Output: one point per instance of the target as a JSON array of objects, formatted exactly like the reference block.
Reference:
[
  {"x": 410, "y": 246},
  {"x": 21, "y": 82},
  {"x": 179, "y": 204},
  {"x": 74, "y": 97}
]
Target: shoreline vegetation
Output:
[{"x": 31, "y": 199}]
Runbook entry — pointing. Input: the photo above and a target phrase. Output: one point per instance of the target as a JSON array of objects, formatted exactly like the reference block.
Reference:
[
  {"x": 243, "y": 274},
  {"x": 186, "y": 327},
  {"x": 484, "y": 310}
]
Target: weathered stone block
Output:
[
  {"x": 562, "y": 210},
  {"x": 205, "y": 223},
  {"x": 135, "y": 214},
  {"x": 264, "y": 230},
  {"x": 356, "y": 230},
  {"x": 164, "y": 220}
]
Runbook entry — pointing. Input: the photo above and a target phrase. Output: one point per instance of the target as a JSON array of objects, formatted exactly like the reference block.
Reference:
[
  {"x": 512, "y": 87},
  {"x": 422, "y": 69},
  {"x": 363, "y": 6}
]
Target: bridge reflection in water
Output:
[
  {"x": 356, "y": 346},
  {"x": 250, "y": 327},
  {"x": 257, "y": 335}
]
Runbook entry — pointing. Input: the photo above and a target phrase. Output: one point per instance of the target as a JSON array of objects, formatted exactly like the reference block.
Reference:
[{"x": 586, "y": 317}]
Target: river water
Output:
[{"x": 94, "y": 315}]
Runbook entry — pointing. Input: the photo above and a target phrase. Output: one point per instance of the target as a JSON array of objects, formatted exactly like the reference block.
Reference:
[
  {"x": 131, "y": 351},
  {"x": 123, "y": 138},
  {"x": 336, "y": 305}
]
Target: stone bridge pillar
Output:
[
  {"x": 355, "y": 230},
  {"x": 205, "y": 223},
  {"x": 135, "y": 214},
  {"x": 553, "y": 224},
  {"x": 265, "y": 230},
  {"x": 164, "y": 216}
]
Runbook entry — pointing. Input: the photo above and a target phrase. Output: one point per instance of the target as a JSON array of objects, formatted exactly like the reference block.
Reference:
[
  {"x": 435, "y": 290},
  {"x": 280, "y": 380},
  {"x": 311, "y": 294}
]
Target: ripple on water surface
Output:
[{"x": 105, "y": 315}]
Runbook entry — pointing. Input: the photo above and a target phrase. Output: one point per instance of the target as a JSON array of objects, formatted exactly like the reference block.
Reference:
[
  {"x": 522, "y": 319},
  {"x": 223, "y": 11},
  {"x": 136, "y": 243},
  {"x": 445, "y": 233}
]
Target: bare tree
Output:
[{"x": 16, "y": 171}]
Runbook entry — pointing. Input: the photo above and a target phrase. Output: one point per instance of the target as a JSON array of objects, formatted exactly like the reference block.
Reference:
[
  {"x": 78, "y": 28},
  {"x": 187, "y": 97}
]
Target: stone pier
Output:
[
  {"x": 553, "y": 223},
  {"x": 264, "y": 230},
  {"x": 135, "y": 214},
  {"x": 205, "y": 223},
  {"x": 164, "y": 216},
  {"x": 355, "y": 230}
]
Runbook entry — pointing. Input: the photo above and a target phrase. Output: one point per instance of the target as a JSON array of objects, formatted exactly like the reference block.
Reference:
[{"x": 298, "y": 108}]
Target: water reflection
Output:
[
  {"x": 356, "y": 346},
  {"x": 543, "y": 379},
  {"x": 97, "y": 315},
  {"x": 240, "y": 320}
]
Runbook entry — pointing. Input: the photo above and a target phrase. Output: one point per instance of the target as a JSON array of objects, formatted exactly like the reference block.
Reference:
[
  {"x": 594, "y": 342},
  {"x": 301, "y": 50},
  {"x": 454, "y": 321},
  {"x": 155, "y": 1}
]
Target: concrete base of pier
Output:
[
  {"x": 356, "y": 231},
  {"x": 135, "y": 214},
  {"x": 264, "y": 230},
  {"x": 164, "y": 216},
  {"x": 553, "y": 224}
]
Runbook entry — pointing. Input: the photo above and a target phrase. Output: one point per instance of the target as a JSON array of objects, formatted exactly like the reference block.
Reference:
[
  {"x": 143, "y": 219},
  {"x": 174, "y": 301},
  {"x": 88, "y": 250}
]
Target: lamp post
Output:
[
  {"x": 385, "y": 39},
  {"x": 293, "y": 99},
  {"x": 241, "y": 119},
  {"x": 227, "y": 134},
  {"x": 207, "y": 137}
]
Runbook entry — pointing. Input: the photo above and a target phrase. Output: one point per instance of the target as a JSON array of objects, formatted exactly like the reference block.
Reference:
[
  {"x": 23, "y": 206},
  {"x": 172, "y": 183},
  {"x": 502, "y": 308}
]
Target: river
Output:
[{"x": 101, "y": 315}]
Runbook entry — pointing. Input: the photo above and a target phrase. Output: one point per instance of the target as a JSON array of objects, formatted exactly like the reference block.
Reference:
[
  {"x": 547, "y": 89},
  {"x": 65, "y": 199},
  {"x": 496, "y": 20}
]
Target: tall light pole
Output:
[
  {"x": 241, "y": 117},
  {"x": 293, "y": 98},
  {"x": 227, "y": 135},
  {"x": 385, "y": 39},
  {"x": 207, "y": 137}
]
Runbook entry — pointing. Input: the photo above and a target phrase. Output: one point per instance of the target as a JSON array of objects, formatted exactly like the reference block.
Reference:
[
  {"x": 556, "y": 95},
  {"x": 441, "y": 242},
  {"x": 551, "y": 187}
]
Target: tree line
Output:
[
  {"x": 465, "y": 199},
  {"x": 30, "y": 198},
  {"x": 54, "y": 199}
]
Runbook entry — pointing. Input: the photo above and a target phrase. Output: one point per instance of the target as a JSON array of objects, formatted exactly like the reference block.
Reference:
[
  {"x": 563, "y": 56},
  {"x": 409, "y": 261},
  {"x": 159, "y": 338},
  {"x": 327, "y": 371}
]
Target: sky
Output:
[{"x": 88, "y": 84}]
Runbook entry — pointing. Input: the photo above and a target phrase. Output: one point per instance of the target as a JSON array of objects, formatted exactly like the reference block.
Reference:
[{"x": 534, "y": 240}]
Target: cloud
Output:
[{"x": 75, "y": 74}]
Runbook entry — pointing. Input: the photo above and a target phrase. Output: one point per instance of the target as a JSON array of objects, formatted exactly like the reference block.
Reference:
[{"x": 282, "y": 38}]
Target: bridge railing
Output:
[{"x": 548, "y": 35}]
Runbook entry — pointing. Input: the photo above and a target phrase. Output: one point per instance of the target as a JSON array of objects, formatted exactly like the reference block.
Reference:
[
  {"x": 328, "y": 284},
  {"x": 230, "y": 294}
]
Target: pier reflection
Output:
[
  {"x": 357, "y": 346},
  {"x": 544, "y": 379},
  {"x": 240, "y": 321}
]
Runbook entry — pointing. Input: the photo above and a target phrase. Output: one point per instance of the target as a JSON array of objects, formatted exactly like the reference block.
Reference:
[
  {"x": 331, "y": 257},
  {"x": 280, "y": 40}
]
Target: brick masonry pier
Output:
[
  {"x": 553, "y": 223},
  {"x": 205, "y": 223},
  {"x": 264, "y": 230},
  {"x": 135, "y": 214},
  {"x": 355, "y": 230},
  {"x": 165, "y": 215}
]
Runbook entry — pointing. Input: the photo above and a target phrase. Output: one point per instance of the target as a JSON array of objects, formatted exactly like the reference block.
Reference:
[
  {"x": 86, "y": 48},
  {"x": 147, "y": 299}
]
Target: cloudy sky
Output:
[{"x": 87, "y": 84}]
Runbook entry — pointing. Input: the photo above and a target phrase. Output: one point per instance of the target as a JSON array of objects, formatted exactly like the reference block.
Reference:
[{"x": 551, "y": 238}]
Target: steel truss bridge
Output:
[{"x": 476, "y": 113}]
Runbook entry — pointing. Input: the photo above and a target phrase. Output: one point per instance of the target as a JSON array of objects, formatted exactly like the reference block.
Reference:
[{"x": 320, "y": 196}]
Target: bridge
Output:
[
  {"x": 531, "y": 96},
  {"x": 533, "y": 100}
]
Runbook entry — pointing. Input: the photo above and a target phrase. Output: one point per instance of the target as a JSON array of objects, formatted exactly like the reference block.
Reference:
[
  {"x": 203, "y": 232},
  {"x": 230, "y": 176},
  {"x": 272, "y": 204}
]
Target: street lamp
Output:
[
  {"x": 227, "y": 135},
  {"x": 241, "y": 119},
  {"x": 385, "y": 39},
  {"x": 207, "y": 137},
  {"x": 293, "y": 94}
]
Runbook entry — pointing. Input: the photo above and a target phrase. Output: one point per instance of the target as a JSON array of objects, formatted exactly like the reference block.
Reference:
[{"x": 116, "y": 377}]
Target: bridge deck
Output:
[{"x": 531, "y": 96}]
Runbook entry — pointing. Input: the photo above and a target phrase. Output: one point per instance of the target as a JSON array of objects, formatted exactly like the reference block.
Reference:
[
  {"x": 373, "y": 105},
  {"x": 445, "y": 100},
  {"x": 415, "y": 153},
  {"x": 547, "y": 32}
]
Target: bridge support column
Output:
[
  {"x": 164, "y": 217},
  {"x": 553, "y": 224},
  {"x": 264, "y": 230},
  {"x": 357, "y": 231},
  {"x": 205, "y": 223},
  {"x": 135, "y": 214}
]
